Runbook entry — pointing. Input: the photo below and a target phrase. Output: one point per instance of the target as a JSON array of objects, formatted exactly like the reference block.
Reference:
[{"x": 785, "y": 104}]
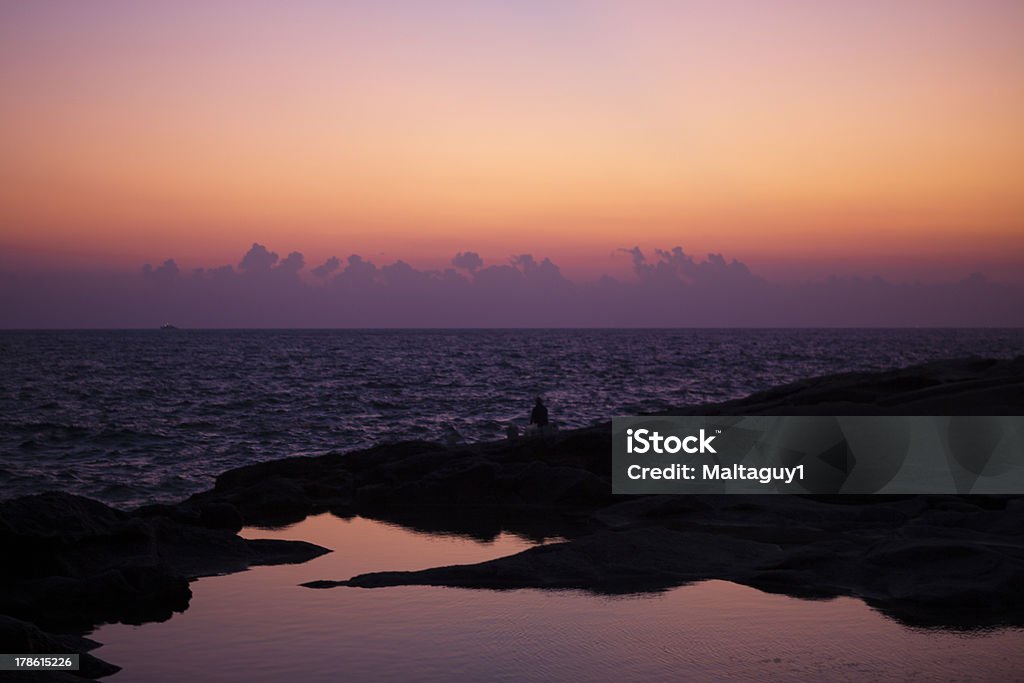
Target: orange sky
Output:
[{"x": 788, "y": 134}]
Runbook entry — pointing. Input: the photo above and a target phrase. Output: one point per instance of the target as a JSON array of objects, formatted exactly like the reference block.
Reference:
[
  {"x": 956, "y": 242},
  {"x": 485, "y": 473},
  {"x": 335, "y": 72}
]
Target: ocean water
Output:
[{"x": 130, "y": 417}]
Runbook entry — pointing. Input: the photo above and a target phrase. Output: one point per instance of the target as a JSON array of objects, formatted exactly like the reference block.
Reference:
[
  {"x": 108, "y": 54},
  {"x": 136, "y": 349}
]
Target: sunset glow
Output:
[{"x": 867, "y": 135}]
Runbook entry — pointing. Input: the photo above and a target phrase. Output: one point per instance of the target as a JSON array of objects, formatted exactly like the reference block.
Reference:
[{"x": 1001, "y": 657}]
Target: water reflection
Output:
[{"x": 260, "y": 625}]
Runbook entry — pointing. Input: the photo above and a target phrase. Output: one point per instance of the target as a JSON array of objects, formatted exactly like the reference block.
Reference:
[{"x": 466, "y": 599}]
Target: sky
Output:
[{"x": 804, "y": 139}]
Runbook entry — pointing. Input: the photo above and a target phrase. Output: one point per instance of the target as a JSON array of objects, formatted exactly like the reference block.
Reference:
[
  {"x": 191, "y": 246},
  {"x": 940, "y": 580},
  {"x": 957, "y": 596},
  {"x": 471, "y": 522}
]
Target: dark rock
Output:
[
  {"x": 220, "y": 516},
  {"x": 20, "y": 637},
  {"x": 70, "y": 563}
]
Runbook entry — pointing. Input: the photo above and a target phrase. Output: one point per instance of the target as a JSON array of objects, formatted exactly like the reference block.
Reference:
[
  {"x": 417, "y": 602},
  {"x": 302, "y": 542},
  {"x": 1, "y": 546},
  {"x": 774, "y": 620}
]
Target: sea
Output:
[{"x": 140, "y": 416}]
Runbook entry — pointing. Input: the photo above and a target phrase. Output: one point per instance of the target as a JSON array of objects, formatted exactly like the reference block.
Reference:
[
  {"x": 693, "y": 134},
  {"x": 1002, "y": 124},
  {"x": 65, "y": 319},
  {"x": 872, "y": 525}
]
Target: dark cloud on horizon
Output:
[
  {"x": 292, "y": 263},
  {"x": 469, "y": 260},
  {"x": 327, "y": 267},
  {"x": 676, "y": 266},
  {"x": 670, "y": 288},
  {"x": 258, "y": 259},
  {"x": 166, "y": 270}
]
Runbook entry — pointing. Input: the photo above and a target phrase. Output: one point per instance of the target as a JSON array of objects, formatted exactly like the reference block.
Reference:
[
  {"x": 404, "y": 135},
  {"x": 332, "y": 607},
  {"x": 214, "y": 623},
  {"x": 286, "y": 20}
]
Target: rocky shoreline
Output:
[{"x": 71, "y": 563}]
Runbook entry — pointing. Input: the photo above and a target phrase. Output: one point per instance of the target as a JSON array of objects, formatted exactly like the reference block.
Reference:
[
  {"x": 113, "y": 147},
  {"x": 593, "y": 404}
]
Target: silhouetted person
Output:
[
  {"x": 451, "y": 436},
  {"x": 539, "y": 415}
]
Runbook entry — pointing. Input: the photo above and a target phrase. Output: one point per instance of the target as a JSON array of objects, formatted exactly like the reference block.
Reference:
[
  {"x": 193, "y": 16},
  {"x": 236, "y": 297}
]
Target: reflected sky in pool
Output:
[{"x": 261, "y": 626}]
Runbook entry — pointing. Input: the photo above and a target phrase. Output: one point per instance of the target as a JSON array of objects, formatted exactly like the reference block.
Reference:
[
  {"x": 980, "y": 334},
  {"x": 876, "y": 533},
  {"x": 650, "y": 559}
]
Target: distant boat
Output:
[{"x": 168, "y": 326}]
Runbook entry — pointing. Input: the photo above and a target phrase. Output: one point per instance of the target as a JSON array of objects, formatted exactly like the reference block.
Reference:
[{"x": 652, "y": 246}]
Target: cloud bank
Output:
[{"x": 670, "y": 288}]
